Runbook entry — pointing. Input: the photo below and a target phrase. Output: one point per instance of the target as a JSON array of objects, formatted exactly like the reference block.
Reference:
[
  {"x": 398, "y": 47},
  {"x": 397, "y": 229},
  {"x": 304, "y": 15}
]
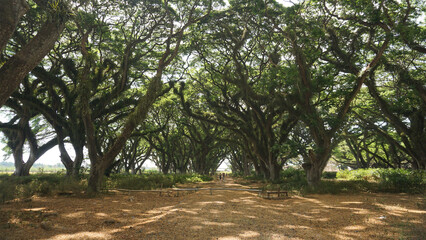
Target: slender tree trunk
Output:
[
  {"x": 17, "y": 142},
  {"x": 65, "y": 157},
  {"x": 246, "y": 165},
  {"x": 19, "y": 162},
  {"x": 78, "y": 160}
]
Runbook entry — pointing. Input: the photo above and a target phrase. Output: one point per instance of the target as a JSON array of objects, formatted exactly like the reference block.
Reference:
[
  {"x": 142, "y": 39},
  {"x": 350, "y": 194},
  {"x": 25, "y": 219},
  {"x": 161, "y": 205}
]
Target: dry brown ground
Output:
[{"x": 222, "y": 215}]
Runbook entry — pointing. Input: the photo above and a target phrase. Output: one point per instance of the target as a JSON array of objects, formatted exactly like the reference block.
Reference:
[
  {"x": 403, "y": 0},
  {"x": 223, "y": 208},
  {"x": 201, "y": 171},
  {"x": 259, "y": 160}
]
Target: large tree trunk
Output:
[
  {"x": 313, "y": 174},
  {"x": 97, "y": 171},
  {"x": 15, "y": 69},
  {"x": 11, "y": 12},
  {"x": 99, "y": 165},
  {"x": 274, "y": 171},
  {"x": 28, "y": 165},
  {"x": 315, "y": 164}
]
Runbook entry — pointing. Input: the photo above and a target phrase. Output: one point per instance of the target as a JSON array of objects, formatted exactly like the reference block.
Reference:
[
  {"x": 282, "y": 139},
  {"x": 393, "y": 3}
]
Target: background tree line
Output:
[{"x": 191, "y": 83}]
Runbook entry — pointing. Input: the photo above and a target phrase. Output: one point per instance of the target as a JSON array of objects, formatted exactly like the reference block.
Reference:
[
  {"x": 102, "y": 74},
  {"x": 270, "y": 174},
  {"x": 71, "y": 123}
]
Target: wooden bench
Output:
[{"x": 275, "y": 194}]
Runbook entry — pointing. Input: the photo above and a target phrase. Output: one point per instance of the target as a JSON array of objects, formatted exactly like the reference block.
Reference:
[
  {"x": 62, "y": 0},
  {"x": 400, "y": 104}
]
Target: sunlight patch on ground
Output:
[
  {"x": 236, "y": 212},
  {"x": 215, "y": 211},
  {"x": 101, "y": 214},
  {"x": 415, "y": 221},
  {"x": 74, "y": 215},
  {"x": 193, "y": 212},
  {"x": 196, "y": 227},
  {"x": 127, "y": 210},
  {"x": 322, "y": 219},
  {"x": 398, "y": 209},
  {"x": 158, "y": 213},
  {"x": 249, "y": 234},
  {"x": 302, "y": 215},
  {"x": 210, "y": 203},
  {"x": 224, "y": 224},
  {"x": 160, "y": 210},
  {"x": 281, "y": 236},
  {"x": 82, "y": 235},
  {"x": 294, "y": 226},
  {"x": 355, "y": 228},
  {"x": 352, "y": 203},
  {"x": 34, "y": 209},
  {"x": 229, "y": 238}
]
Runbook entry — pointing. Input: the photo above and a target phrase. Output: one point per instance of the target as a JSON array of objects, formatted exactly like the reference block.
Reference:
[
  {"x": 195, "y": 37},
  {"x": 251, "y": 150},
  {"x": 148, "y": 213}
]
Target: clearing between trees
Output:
[{"x": 220, "y": 215}]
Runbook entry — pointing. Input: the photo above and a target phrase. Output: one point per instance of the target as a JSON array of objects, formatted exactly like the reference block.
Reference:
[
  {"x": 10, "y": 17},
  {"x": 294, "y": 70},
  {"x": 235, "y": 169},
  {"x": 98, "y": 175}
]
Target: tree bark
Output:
[
  {"x": 15, "y": 69},
  {"x": 315, "y": 164},
  {"x": 11, "y": 12}
]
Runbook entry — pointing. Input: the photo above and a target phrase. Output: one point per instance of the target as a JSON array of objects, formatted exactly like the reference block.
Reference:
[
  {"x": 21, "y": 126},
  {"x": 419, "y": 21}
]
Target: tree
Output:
[
  {"x": 331, "y": 62},
  {"x": 239, "y": 80},
  {"x": 26, "y": 127},
  {"x": 163, "y": 27},
  {"x": 132, "y": 156}
]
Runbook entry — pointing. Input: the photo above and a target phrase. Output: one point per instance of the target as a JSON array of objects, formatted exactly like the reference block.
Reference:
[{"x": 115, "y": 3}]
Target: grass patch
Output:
[
  {"x": 341, "y": 186},
  {"x": 152, "y": 180},
  {"x": 12, "y": 187},
  {"x": 361, "y": 180},
  {"x": 389, "y": 180}
]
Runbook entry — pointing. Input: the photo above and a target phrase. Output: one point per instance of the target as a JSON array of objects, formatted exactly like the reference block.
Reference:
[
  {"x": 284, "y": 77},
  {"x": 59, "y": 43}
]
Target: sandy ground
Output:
[{"x": 220, "y": 215}]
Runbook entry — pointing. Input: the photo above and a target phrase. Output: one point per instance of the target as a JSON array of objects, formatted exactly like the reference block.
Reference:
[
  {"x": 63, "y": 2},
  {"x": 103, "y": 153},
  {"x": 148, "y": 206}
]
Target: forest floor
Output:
[{"x": 215, "y": 215}]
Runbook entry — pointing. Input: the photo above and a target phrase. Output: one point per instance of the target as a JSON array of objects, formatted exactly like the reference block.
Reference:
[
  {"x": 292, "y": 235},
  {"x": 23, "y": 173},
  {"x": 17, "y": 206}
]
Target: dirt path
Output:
[{"x": 221, "y": 215}]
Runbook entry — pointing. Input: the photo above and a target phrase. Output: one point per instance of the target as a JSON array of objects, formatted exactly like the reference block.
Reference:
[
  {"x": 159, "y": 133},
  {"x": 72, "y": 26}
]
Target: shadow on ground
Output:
[{"x": 220, "y": 215}]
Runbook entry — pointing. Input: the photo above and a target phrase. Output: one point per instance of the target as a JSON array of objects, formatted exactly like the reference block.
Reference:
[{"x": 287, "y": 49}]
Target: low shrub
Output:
[
  {"x": 12, "y": 187},
  {"x": 389, "y": 180},
  {"x": 329, "y": 175},
  {"x": 7, "y": 191},
  {"x": 341, "y": 186},
  {"x": 402, "y": 180},
  {"x": 358, "y": 174},
  {"x": 293, "y": 179},
  {"x": 352, "y": 181},
  {"x": 152, "y": 180}
]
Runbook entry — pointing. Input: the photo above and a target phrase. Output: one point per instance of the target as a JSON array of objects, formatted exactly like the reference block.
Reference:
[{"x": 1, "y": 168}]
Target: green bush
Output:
[
  {"x": 12, "y": 187},
  {"x": 7, "y": 191},
  {"x": 329, "y": 175},
  {"x": 389, "y": 180},
  {"x": 69, "y": 184},
  {"x": 293, "y": 179},
  {"x": 41, "y": 187},
  {"x": 360, "y": 180},
  {"x": 358, "y": 174},
  {"x": 152, "y": 180},
  {"x": 402, "y": 180},
  {"x": 341, "y": 186}
]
